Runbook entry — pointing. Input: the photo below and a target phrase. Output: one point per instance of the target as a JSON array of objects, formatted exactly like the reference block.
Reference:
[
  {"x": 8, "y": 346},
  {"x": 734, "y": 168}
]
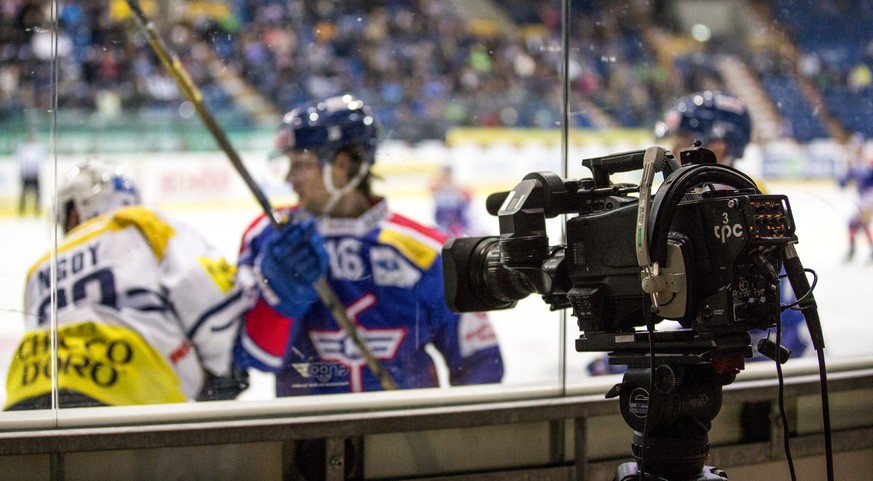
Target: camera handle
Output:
[{"x": 653, "y": 282}]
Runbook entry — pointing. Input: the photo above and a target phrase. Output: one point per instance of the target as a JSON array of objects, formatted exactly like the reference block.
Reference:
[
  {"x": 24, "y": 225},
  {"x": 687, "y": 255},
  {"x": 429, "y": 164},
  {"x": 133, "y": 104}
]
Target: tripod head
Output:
[{"x": 671, "y": 407}]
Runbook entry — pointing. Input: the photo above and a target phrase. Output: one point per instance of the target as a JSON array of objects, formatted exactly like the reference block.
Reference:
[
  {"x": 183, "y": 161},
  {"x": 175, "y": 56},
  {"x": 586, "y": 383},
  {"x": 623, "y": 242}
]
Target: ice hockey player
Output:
[
  {"x": 385, "y": 268},
  {"x": 719, "y": 121},
  {"x": 860, "y": 173},
  {"x": 451, "y": 203},
  {"x": 147, "y": 311}
]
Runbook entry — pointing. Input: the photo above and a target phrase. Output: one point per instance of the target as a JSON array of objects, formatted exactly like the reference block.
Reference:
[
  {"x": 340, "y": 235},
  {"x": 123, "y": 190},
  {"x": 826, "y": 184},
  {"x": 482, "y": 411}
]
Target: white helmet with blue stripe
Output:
[{"x": 93, "y": 188}]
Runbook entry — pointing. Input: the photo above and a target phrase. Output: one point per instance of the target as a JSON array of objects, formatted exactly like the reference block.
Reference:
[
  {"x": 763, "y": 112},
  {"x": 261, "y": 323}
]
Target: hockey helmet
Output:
[
  {"x": 328, "y": 126},
  {"x": 94, "y": 188},
  {"x": 710, "y": 116}
]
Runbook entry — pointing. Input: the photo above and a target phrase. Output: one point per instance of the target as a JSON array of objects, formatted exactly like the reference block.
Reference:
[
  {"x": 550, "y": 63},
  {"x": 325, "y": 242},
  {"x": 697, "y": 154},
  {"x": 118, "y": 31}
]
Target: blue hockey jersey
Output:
[{"x": 387, "y": 270}]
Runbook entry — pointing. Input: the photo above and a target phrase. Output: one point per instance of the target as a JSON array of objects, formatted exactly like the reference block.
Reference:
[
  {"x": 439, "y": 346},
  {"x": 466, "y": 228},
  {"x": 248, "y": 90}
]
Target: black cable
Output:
[
  {"x": 805, "y": 296},
  {"x": 799, "y": 283},
  {"x": 650, "y": 329},
  {"x": 781, "y": 401},
  {"x": 826, "y": 417}
]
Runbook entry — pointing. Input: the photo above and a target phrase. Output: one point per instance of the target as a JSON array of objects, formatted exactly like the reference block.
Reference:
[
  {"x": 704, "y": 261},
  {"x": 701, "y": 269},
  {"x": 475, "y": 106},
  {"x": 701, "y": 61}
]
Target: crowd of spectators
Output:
[
  {"x": 835, "y": 47},
  {"x": 420, "y": 61},
  {"x": 103, "y": 64},
  {"x": 421, "y": 65}
]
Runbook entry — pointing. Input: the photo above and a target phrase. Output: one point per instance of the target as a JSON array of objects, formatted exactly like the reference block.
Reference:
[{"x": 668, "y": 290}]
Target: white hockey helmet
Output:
[{"x": 94, "y": 188}]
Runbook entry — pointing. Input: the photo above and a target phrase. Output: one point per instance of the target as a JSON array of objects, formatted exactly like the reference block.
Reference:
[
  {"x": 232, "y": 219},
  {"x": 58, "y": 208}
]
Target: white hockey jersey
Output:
[{"x": 144, "y": 306}]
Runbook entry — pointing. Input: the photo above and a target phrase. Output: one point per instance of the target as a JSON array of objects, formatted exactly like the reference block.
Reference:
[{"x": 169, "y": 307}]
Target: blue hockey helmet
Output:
[
  {"x": 327, "y": 126},
  {"x": 710, "y": 116}
]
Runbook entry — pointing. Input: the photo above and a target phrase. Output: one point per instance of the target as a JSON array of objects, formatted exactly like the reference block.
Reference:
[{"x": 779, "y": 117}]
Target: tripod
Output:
[
  {"x": 671, "y": 408},
  {"x": 676, "y": 418}
]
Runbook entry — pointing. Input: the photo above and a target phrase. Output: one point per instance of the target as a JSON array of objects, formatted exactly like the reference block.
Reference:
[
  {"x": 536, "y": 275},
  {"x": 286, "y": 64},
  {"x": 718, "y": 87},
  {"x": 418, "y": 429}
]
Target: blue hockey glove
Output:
[{"x": 293, "y": 259}]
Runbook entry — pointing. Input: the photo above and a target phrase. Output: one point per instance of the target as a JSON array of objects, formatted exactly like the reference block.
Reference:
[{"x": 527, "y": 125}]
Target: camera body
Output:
[{"x": 716, "y": 246}]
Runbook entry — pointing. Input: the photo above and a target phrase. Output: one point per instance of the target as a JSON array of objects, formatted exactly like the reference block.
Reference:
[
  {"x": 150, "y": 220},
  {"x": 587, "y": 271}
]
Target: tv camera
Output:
[{"x": 705, "y": 250}]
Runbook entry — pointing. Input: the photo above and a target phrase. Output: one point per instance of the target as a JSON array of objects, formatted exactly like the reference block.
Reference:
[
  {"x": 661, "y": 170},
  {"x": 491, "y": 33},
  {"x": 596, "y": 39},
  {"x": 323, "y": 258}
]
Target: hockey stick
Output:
[{"x": 192, "y": 93}]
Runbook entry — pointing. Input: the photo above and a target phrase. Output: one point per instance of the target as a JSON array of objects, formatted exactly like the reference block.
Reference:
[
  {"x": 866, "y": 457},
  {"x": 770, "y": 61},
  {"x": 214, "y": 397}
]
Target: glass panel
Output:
[
  {"x": 440, "y": 76},
  {"x": 478, "y": 94},
  {"x": 792, "y": 121},
  {"x": 435, "y": 76},
  {"x": 26, "y": 128}
]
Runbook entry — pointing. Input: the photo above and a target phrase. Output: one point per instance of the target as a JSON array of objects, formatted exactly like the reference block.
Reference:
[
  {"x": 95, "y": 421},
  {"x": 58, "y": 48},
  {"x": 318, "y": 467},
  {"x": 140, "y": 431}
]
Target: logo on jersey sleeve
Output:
[
  {"x": 475, "y": 333},
  {"x": 391, "y": 269},
  {"x": 221, "y": 273},
  {"x": 417, "y": 246}
]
